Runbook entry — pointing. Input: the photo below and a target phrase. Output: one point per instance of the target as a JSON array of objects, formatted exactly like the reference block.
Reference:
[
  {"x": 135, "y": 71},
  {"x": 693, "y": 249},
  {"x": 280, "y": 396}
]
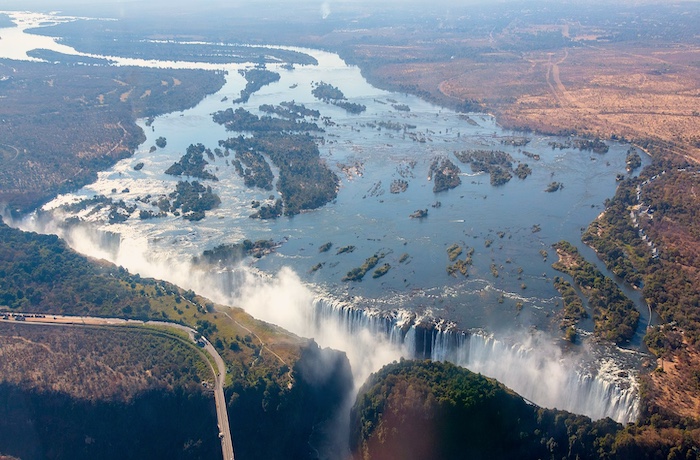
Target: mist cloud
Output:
[
  {"x": 325, "y": 10},
  {"x": 531, "y": 365}
]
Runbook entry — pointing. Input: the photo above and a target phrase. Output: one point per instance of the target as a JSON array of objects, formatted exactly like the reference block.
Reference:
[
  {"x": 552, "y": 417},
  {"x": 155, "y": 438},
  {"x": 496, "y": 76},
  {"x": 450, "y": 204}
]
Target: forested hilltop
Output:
[
  {"x": 273, "y": 378},
  {"x": 433, "y": 411}
]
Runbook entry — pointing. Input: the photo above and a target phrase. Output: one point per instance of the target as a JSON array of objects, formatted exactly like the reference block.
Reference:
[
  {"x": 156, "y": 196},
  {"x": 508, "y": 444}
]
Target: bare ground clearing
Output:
[{"x": 646, "y": 95}]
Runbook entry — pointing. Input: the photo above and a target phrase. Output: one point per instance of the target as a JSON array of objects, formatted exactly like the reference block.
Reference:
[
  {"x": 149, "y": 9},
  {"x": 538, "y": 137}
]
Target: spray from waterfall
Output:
[
  {"x": 325, "y": 10},
  {"x": 530, "y": 365}
]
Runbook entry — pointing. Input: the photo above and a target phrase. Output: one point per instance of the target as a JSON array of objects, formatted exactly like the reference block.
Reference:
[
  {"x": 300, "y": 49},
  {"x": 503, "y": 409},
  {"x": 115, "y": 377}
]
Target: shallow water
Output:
[
  {"x": 508, "y": 226},
  {"x": 374, "y": 220}
]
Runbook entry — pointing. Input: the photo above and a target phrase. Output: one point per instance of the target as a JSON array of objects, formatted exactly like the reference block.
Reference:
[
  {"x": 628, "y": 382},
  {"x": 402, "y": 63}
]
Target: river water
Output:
[{"x": 507, "y": 304}]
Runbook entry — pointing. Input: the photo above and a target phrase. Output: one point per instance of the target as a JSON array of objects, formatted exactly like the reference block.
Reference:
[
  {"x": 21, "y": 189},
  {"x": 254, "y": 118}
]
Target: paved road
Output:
[{"x": 219, "y": 372}]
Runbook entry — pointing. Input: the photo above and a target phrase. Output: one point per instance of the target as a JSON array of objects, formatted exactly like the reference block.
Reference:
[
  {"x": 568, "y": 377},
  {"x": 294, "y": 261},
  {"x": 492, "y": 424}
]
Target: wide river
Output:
[{"x": 508, "y": 291}]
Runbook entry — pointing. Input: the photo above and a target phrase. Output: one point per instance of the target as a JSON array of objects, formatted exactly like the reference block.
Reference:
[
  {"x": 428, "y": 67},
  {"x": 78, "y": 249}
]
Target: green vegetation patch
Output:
[
  {"x": 193, "y": 199},
  {"x": 573, "y": 306},
  {"x": 316, "y": 267},
  {"x": 356, "y": 274},
  {"x": 290, "y": 110},
  {"x": 345, "y": 249},
  {"x": 269, "y": 211},
  {"x": 522, "y": 171},
  {"x": 305, "y": 181},
  {"x": 460, "y": 266},
  {"x": 497, "y": 163},
  {"x": 554, "y": 187},
  {"x": 398, "y": 186},
  {"x": 445, "y": 174},
  {"x": 257, "y": 172},
  {"x": 242, "y": 120},
  {"x": 614, "y": 315},
  {"x": 419, "y": 214},
  {"x": 381, "y": 271},
  {"x": 41, "y": 274},
  {"x": 595, "y": 145},
  {"x": 433, "y": 411},
  {"x": 327, "y": 92},
  {"x": 255, "y": 80},
  {"x": 332, "y": 95},
  {"x": 633, "y": 160},
  {"x": 227, "y": 254},
  {"x": 615, "y": 239},
  {"x": 454, "y": 251},
  {"x": 192, "y": 164}
]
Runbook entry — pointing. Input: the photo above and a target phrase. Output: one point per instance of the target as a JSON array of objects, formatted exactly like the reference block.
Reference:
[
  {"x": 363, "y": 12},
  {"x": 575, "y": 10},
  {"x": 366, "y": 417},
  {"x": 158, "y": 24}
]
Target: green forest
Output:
[
  {"x": 614, "y": 314},
  {"x": 670, "y": 221},
  {"x": 433, "y": 411},
  {"x": 192, "y": 163},
  {"x": 305, "y": 182}
]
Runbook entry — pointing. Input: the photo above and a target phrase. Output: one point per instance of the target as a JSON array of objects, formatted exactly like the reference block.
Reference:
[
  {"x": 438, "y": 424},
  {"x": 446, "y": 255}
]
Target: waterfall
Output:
[
  {"x": 534, "y": 368},
  {"x": 531, "y": 365}
]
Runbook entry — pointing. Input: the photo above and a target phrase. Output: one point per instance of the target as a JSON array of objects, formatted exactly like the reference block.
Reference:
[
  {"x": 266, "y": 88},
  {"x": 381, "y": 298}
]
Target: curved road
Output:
[{"x": 219, "y": 372}]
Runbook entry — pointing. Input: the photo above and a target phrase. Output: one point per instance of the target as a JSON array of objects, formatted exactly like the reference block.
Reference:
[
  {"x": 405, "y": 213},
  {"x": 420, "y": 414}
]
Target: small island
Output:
[
  {"x": 595, "y": 145},
  {"x": 381, "y": 271},
  {"x": 290, "y": 110},
  {"x": 614, "y": 314},
  {"x": 192, "y": 164},
  {"x": 345, "y": 249},
  {"x": 268, "y": 211},
  {"x": 305, "y": 181},
  {"x": 356, "y": 274},
  {"x": 256, "y": 79},
  {"x": 454, "y": 251},
  {"x": 497, "y": 163},
  {"x": 241, "y": 120},
  {"x": 633, "y": 160},
  {"x": 445, "y": 175},
  {"x": 522, "y": 171},
  {"x": 193, "y": 199},
  {"x": 333, "y": 95},
  {"x": 460, "y": 266},
  {"x": 316, "y": 267},
  {"x": 398, "y": 186},
  {"x": 554, "y": 187},
  {"x": 229, "y": 254}
]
